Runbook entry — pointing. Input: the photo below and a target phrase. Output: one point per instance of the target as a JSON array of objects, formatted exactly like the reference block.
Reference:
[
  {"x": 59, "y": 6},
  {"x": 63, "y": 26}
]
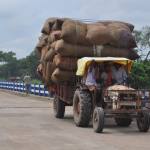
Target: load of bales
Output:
[{"x": 63, "y": 41}]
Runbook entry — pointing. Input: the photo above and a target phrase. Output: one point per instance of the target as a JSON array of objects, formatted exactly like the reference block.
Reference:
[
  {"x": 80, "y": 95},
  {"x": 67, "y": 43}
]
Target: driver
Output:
[
  {"x": 119, "y": 74},
  {"x": 91, "y": 76}
]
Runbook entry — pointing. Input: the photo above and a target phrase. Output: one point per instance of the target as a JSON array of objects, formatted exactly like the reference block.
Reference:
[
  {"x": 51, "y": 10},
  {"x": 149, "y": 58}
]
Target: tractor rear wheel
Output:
[{"x": 58, "y": 107}]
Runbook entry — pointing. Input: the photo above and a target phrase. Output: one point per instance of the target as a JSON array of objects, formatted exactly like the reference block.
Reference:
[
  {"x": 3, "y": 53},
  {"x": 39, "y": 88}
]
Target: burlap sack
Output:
[
  {"x": 65, "y": 63},
  {"x": 66, "y": 49},
  {"x": 110, "y": 22},
  {"x": 116, "y": 25},
  {"x": 98, "y": 34},
  {"x": 54, "y": 36},
  {"x": 109, "y": 51},
  {"x": 115, "y": 34},
  {"x": 43, "y": 53},
  {"x": 58, "y": 23},
  {"x": 74, "y": 32},
  {"x": 62, "y": 76},
  {"x": 50, "y": 67},
  {"x": 41, "y": 70},
  {"x": 47, "y": 27},
  {"x": 50, "y": 55},
  {"x": 42, "y": 42},
  {"x": 121, "y": 38}
]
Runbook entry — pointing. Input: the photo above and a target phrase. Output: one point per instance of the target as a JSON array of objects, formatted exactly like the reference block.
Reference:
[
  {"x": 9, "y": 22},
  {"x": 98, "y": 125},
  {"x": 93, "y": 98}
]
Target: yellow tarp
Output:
[{"x": 85, "y": 61}]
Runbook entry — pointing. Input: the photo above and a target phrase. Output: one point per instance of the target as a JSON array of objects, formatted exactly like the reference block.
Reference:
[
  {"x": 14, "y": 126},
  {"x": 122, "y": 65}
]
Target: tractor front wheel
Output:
[{"x": 82, "y": 108}]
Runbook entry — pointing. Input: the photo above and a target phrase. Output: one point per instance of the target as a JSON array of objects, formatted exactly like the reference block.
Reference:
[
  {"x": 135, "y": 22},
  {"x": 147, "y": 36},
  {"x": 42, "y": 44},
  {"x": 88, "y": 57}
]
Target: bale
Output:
[
  {"x": 50, "y": 55},
  {"x": 65, "y": 63},
  {"x": 66, "y": 49},
  {"x": 48, "y": 25},
  {"x": 50, "y": 67},
  {"x": 98, "y": 34},
  {"x": 74, "y": 32},
  {"x": 62, "y": 76}
]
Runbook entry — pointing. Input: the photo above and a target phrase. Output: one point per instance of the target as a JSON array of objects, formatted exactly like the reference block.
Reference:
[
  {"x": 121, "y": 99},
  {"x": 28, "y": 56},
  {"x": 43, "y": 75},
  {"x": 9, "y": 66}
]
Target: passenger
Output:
[
  {"x": 119, "y": 74},
  {"x": 91, "y": 76},
  {"x": 107, "y": 76}
]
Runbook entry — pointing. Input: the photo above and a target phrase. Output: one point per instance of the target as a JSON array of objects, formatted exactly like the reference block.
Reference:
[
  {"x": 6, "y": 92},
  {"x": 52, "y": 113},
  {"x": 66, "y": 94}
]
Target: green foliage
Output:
[
  {"x": 140, "y": 75},
  {"x": 7, "y": 56},
  {"x": 13, "y": 67}
]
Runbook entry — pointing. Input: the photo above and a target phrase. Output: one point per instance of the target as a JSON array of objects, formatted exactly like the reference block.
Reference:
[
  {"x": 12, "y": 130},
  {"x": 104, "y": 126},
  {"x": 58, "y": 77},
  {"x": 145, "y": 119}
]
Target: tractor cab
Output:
[{"x": 103, "y": 91}]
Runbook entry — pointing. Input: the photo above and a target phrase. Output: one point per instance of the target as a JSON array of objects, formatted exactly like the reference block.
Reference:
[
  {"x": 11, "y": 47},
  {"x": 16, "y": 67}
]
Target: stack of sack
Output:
[{"x": 64, "y": 40}]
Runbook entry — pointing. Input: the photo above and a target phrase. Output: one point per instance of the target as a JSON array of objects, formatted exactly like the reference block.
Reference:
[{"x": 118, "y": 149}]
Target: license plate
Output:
[{"x": 128, "y": 103}]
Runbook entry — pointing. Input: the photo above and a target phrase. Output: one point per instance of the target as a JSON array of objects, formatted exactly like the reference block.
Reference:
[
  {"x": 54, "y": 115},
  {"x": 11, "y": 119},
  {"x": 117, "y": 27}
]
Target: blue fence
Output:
[{"x": 36, "y": 89}]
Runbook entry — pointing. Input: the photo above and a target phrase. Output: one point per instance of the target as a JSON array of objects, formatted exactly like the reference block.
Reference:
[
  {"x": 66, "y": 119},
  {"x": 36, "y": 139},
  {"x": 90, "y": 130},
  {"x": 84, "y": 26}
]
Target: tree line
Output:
[{"x": 10, "y": 66}]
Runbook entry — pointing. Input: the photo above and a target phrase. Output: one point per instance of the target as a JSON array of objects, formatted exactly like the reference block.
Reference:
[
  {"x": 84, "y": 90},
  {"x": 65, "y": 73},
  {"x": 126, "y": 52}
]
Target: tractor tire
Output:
[
  {"x": 82, "y": 108},
  {"x": 143, "y": 121},
  {"x": 58, "y": 107},
  {"x": 98, "y": 119},
  {"x": 123, "y": 122}
]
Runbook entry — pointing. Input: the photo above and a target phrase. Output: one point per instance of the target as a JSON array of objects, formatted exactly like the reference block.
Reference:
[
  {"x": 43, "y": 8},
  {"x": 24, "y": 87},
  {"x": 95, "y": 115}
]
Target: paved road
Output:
[{"x": 27, "y": 123}]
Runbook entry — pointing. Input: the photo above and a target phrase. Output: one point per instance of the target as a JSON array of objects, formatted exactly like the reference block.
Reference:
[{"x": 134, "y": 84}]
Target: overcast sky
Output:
[{"x": 21, "y": 20}]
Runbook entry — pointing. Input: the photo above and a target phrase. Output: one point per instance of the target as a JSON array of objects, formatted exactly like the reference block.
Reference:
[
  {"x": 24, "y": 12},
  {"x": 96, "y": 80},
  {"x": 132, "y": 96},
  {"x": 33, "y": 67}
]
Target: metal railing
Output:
[{"x": 36, "y": 89}]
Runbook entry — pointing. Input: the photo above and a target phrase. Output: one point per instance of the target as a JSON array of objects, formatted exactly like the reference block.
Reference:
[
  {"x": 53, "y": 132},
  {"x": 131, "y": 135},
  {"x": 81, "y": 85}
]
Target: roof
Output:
[{"x": 85, "y": 61}]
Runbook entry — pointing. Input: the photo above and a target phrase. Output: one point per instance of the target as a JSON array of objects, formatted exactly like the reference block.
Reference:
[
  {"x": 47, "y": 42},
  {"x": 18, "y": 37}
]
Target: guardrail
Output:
[{"x": 36, "y": 89}]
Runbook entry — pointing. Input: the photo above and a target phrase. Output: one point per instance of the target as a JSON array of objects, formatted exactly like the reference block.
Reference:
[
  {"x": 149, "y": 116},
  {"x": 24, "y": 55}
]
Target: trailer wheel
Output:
[
  {"x": 143, "y": 121},
  {"x": 59, "y": 107},
  {"x": 82, "y": 108},
  {"x": 123, "y": 122},
  {"x": 98, "y": 119}
]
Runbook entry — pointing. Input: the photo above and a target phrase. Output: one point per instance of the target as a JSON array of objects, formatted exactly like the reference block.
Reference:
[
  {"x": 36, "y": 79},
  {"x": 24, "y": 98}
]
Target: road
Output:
[{"x": 27, "y": 123}]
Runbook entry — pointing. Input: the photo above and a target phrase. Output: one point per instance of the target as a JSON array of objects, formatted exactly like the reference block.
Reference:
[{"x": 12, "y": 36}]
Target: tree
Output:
[{"x": 143, "y": 41}]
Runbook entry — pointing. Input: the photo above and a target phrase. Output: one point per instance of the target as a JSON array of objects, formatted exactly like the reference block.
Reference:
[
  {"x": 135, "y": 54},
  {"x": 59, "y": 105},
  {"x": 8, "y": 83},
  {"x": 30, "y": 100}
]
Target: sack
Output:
[
  {"x": 119, "y": 23},
  {"x": 65, "y": 63},
  {"x": 58, "y": 24},
  {"x": 50, "y": 55},
  {"x": 66, "y": 49},
  {"x": 54, "y": 36},
  {"x": 116, "y": 25},
  {"x": 50, "y": 67},
  {"x": 48, "y": 25},
  {"x": 41, "y": 70},
  {"x": 42, "y": 42},
  {"x": 121, "y": 38},
  {"x": 114, "y": 34},
  {"x": 74, "y": 32},
  {"x": 62, "y": 76},
  {"x": 43, "y": 53},
  {"x": 109, "y": 51},
  {"x": 98, "y": 34}
]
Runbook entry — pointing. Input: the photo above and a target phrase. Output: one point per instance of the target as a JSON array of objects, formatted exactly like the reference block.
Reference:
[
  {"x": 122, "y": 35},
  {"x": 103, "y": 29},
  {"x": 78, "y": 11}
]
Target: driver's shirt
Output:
[
  {"x": 90, "y": 79},
  {"x": 119, "y": 75}
]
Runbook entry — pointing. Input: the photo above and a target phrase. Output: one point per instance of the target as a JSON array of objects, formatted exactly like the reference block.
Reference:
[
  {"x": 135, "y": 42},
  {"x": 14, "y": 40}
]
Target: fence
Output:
[{"x": 36, "y": 89}]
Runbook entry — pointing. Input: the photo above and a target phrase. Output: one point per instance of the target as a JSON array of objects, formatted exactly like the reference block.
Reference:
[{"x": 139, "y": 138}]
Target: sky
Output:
[{"x": 21, "y": 20}]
